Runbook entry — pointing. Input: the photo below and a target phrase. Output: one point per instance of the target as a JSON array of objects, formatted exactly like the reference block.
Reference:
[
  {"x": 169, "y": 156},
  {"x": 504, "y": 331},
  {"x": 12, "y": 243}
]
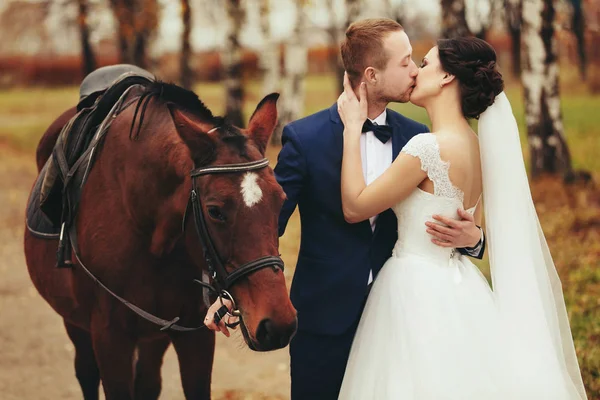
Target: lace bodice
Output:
[
  {"x": 418, "y": 207},
  {"x": 426, "y": 148}
]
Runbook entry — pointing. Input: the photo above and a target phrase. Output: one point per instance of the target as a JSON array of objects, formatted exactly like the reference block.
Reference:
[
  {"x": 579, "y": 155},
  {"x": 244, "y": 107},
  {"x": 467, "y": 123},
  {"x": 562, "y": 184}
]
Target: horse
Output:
[{"x": 166, "y": 164}]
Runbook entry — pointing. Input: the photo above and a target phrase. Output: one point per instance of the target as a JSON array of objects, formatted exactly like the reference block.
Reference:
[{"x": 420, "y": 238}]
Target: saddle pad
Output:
[
  {"x": 74, "y": 141},
  {"x": 37, "y": 222}
]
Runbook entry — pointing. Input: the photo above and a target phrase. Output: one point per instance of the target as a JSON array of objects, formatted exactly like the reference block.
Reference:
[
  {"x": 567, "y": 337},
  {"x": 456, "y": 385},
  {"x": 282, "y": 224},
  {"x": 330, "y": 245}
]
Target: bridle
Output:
[{"x": 222, "y": 280}]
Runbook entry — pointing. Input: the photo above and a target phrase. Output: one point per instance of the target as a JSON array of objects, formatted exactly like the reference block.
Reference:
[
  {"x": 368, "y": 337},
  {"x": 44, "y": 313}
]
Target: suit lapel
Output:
[
  {"x": 337, "y": 129},
  {"x": 399, "y": 138}
]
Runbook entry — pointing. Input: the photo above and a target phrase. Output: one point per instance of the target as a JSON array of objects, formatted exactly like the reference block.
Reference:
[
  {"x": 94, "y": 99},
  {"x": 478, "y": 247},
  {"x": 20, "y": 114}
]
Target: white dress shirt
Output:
[{"x": 376, "y": 158}]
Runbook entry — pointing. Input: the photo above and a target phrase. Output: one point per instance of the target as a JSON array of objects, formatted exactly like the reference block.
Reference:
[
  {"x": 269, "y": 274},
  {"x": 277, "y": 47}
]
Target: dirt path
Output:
[{"x": 35, "y": 354}]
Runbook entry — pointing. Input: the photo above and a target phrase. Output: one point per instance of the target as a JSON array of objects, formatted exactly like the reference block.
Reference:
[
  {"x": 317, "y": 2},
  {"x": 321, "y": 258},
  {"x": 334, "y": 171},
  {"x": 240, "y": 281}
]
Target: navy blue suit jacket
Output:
[{"x": 330, "y": 282}]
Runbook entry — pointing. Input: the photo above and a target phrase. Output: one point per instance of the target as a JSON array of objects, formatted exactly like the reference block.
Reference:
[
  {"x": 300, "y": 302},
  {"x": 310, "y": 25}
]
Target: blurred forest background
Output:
[{"x": 233, "y": 52}]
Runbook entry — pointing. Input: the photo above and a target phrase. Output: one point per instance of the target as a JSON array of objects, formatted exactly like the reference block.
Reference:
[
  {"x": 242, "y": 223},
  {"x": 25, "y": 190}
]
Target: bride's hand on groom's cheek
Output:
[{"x": 352, "y": 110}]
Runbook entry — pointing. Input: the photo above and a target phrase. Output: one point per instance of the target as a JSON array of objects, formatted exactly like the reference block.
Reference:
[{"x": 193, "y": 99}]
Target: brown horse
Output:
[{"x": 130, "y": 236}]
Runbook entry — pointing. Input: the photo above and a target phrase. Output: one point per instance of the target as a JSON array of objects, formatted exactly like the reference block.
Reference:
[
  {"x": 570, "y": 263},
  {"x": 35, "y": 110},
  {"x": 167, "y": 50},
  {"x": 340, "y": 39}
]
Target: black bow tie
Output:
[{"x": 381, "y": 132}]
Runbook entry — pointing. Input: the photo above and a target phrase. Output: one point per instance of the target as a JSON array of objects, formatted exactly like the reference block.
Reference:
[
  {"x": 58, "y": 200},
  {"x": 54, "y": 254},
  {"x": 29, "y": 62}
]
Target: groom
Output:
[{"x": 337, "y": 260}]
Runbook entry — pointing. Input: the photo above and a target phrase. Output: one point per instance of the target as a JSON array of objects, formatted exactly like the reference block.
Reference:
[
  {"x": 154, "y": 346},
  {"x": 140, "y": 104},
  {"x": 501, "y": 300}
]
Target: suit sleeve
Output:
[
  {"x": 477, "y": 251},
  {"x": 290, "y": 173}
]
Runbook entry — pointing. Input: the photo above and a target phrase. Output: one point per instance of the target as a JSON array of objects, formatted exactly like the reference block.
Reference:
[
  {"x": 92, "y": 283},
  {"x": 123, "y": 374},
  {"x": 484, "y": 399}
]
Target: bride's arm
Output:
[{"x": 359, "y": 201}]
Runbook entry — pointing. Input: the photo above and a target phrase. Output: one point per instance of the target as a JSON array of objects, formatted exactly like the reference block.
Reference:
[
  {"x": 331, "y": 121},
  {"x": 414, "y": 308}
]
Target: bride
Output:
[{"x": 432, "y": 327}]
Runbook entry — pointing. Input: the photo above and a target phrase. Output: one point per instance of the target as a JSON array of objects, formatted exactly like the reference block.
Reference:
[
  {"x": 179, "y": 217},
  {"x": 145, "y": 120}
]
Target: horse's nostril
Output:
[
  {"x": 272, "y": 337},
  {"x": 263, "y": 333}
]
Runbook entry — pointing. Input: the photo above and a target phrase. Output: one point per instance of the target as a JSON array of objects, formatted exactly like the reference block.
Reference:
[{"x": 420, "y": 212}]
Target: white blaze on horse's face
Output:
[{"x": 251, "y": 192}]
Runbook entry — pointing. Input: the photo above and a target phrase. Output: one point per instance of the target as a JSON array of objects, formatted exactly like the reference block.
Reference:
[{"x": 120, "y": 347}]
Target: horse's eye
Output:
[{"x": 216, "y": 214}]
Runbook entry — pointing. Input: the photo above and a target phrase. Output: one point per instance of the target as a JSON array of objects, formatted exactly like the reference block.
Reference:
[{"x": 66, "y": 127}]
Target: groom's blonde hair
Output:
[{"x": 363, "y": 46}]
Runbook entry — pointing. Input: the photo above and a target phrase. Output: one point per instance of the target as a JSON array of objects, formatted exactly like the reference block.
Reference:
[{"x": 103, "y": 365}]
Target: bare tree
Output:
[
  {"x": 353, "y": 11},
  {"x": 335, "y": 33},
  {"x": 513, "y": 15},
  {"x": 270, "y": 55},
  {"x": 578, "y": 26},
  {"x": 185, "y": 68},
  {"x": 87, "y": 54},
  {"x": 146, "y": 23},
  {"x": 454, "y": 22},
  {"x": 123, "y": 11},
  {"x": 592, "y": 14},
  {"x": 295, "y": 66},
  {"x": 548, "y": 147},
  {"x": 396, "y": 11},
  {"x": 232, "y": 62},
  {"x": 18, "y": 34},
  {"x": 137, "y": 20}
]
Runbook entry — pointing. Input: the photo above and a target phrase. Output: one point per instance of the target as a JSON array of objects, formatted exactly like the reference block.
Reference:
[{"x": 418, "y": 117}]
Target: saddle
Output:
[{"x": 54, "y": 199}]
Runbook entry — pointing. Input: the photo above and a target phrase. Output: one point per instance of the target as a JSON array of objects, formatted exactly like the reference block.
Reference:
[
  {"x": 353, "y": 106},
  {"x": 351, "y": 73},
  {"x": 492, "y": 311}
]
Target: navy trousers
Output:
[{"x": 318, "y": 363}]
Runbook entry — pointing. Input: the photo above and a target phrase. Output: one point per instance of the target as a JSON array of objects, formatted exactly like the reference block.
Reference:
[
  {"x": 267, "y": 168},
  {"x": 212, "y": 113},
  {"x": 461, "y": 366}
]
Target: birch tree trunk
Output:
[
  {"x": 271, "y": 54},
  {"x": 454, "y": 21},
  {"x": 480, "y": 15},
  {"x": 514, "y": 12},
  {"x": 547, "y": 144},
  {"x": 232, "y": 63},
  {"x": 184, "y": 67},
  {"x": 295, "y": 66},
  {"x": 87, "y": 54}
]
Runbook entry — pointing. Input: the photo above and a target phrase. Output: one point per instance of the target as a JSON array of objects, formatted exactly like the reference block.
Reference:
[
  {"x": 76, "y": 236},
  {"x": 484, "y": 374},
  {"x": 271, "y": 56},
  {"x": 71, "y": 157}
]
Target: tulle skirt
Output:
[{"x": 432, "y": 331}]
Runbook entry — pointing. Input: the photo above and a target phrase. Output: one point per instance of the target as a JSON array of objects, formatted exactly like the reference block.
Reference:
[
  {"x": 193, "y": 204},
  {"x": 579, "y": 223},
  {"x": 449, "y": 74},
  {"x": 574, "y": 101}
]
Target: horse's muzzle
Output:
[{"x": 270, "y": 336}]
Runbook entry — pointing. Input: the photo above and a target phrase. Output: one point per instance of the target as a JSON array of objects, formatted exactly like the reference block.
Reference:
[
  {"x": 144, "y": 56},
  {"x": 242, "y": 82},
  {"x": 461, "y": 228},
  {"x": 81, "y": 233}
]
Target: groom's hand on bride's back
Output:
[{"x": 448, "y": 232}]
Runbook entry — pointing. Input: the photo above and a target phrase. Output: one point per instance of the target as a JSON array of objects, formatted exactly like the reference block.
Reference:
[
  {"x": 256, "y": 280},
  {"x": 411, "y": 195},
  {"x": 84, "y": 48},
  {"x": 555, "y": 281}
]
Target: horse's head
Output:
[{"x": 236, "y": 209}]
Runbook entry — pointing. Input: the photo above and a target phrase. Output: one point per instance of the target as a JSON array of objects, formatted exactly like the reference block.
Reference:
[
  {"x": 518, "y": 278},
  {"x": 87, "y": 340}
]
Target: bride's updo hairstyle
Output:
[{"x": 473, "y": 62}]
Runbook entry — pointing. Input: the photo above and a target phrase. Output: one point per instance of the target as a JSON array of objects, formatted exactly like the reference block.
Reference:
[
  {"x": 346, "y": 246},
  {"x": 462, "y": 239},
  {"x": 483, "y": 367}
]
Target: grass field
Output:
[{"x": 570, "y": 216}]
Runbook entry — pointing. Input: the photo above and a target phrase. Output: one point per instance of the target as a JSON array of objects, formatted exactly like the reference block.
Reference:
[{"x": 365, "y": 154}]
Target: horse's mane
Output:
[{"x": 187, "y": 100}]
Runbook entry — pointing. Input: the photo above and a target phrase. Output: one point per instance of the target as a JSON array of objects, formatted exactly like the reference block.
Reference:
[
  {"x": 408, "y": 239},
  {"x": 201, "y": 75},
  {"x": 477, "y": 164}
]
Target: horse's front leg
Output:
[
  {"x": 148, "y": 382},
  {"x": 86, "y": 369},
  {"x": 114, "y": 354},
  {"x": 195, "y": 351}
]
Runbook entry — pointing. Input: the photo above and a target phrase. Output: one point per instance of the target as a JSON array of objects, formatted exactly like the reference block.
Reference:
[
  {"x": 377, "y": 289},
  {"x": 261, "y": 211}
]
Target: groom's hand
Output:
[{"x": 455, "y": 233}]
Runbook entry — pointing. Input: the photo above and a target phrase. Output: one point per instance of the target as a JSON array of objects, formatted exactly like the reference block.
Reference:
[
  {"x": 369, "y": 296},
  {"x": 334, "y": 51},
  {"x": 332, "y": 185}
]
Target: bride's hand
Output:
[
  {"x": 353, "y": 111},
  {"x": 220, "y": 306}
]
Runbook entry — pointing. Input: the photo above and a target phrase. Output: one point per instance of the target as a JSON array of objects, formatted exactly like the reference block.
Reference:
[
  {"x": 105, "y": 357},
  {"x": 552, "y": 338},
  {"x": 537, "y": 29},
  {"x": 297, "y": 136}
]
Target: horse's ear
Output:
[
  {"x": 263, "y": 121},
  {"x": 192, "y": 131}
]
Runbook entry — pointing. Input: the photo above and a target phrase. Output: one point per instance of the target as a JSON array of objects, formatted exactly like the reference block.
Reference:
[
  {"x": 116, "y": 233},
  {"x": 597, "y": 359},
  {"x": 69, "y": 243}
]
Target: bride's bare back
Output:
[{"x": 461, "y": 151}]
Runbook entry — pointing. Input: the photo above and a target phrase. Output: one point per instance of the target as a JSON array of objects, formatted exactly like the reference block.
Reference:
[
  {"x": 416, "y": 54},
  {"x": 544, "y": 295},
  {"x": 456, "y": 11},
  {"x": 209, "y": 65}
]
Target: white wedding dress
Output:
[{"x": 432, "y": 329}]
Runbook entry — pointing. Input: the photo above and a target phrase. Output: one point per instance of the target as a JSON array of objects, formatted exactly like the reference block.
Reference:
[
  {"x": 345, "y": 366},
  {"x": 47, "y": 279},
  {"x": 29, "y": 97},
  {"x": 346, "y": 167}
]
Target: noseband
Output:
[{"x": 222, "y": 280}]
